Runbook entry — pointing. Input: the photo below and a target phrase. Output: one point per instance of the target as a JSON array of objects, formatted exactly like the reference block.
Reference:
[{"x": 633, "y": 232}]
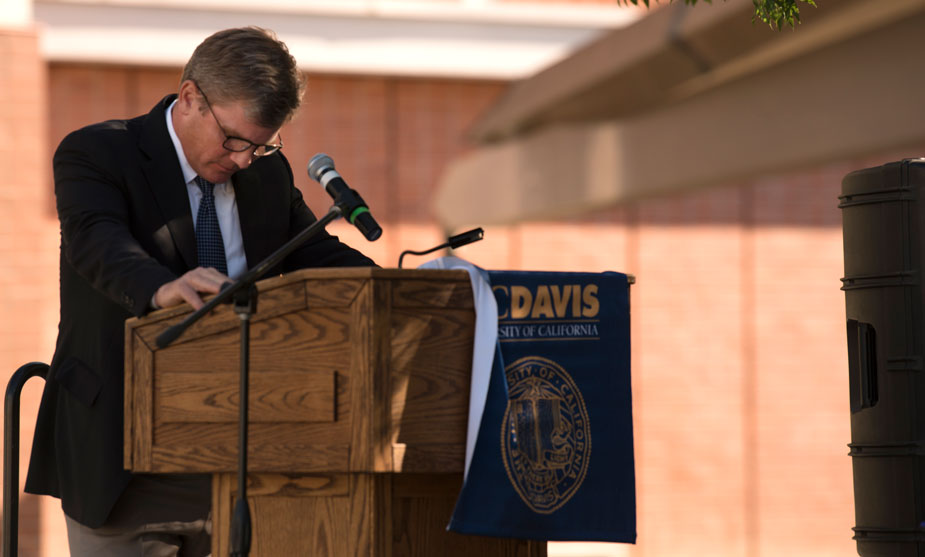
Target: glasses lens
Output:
[
  {"x": 237, "y": 144},
  {"x": 264, "y": 150}
]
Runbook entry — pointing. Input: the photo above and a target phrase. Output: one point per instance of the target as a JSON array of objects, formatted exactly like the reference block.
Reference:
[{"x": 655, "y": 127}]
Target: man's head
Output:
[
  {"x": 249, "y": 65},
  {"x": 238, "y": 89}
]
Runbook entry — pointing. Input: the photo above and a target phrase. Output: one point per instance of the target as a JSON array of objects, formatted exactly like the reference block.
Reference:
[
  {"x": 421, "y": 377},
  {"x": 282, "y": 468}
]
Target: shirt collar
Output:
[{"x": 188, "y": 173}]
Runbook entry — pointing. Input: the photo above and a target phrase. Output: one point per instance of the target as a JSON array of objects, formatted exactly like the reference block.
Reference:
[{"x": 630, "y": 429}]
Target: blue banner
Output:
[{"x": 553, "y": 459}]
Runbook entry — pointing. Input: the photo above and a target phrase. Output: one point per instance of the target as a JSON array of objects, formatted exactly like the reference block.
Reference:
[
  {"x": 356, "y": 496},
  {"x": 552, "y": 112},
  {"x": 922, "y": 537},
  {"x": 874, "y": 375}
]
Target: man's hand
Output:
[{"x": 188, "y": 287}]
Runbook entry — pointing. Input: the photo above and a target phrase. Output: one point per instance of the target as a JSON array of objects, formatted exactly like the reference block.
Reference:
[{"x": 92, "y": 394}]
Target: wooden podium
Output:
[{"x": 359, "y": 388}]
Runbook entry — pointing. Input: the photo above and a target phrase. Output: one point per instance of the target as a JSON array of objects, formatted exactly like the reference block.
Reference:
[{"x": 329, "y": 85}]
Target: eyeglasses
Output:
[{"x": 239, "y": 144}]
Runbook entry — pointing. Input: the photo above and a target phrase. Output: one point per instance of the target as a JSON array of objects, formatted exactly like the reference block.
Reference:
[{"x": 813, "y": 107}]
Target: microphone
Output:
[
  {"x": 454, "y": 242},
  {"x": 465, "y": 238},
  {"x": 352, "y": 206}
]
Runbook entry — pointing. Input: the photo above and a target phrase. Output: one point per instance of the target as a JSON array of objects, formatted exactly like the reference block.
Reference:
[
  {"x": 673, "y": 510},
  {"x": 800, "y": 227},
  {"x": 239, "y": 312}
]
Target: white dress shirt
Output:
[{"x": 226, "y": 207}]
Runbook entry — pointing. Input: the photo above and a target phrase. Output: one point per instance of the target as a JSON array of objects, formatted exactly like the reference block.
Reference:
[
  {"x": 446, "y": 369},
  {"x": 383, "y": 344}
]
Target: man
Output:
[{"x": 155, "y": 211}]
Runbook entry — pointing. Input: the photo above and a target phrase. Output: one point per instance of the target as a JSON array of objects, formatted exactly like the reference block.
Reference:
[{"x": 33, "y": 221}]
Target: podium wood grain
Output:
[{"x": 358, "y": 406}]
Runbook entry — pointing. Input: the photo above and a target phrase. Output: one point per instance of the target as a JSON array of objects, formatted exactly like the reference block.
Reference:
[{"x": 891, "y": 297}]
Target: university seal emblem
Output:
[{"x": 545, "y": 435}]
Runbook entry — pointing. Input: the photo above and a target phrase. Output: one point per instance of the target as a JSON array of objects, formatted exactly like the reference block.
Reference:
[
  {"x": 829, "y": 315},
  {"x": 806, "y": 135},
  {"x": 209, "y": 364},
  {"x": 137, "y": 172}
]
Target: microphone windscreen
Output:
[{"x": 318, "y": 165}]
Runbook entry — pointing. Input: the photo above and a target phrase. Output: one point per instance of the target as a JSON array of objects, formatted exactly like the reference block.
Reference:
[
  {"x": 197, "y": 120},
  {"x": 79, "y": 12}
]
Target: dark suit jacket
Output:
[{"x": 126, "y": 229}]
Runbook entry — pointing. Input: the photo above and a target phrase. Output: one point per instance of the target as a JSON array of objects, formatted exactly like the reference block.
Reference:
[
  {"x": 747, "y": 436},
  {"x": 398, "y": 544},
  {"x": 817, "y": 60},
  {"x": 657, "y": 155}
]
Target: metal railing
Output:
[{"x": 11, "y": 453}]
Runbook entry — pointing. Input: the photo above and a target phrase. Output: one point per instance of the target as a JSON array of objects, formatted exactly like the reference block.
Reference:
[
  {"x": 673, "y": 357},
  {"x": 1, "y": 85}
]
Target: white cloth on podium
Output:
[{"x": 483, "y": 347}]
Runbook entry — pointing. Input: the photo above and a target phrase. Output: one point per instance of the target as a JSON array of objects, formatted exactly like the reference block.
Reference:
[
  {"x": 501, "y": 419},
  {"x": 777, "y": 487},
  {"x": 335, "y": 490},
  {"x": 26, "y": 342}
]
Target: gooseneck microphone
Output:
[
  {"x": 454, "y": 242},
  {"x": 354, "y": 209}
]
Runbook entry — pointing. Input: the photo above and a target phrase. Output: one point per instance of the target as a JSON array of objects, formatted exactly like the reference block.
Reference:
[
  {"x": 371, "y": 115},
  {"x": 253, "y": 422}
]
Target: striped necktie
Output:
[{"x": 209, "y": 243}]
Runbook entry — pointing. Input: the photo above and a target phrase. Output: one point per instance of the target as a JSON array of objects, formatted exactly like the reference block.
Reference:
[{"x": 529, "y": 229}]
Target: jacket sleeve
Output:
[{"x": 94, "y": 207}]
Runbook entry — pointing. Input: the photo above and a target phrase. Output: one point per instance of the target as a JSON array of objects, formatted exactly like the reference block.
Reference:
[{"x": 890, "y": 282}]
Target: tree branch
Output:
[{"x": 776, "y": 13}]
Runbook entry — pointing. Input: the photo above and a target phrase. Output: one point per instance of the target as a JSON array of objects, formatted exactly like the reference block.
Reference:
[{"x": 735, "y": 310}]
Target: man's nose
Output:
[{"x": 243, "y": 159}]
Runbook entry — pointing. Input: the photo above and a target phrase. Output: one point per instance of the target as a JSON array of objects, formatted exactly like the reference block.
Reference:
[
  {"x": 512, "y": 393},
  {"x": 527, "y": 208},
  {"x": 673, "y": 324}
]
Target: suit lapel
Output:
[
  {"x": 161, "y": 167},
  {"x": 247, "y": 196}
]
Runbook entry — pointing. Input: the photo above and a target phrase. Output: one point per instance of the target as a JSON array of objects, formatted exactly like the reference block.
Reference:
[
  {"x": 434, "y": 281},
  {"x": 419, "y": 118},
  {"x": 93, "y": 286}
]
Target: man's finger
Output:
[
  {"x": 187, "y": 287},
  {"x": 208, "y": 279},
  {"x": 190, "y": 295}
]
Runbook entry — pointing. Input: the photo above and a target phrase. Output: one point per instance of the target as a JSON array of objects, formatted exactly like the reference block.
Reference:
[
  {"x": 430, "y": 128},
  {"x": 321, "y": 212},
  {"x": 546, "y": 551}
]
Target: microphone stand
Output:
[{"x": 244, "y": 293}]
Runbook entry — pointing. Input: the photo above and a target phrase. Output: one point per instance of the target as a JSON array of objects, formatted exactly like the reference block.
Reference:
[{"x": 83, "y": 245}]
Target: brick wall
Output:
[
  {"x": 739, "y": 366},
  {"x": 28, "y": 240},
  {"x": 389, "y": 137},
  {"x": 739, "y": 358}
]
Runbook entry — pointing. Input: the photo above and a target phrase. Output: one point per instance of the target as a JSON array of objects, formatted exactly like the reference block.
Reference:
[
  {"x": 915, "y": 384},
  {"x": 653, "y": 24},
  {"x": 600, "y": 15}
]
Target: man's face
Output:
[{"x": 202, "y": 132}]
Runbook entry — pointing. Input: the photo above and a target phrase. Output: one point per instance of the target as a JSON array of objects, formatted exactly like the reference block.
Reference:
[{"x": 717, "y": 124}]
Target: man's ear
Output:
[{"x": 187, "y": 98}]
